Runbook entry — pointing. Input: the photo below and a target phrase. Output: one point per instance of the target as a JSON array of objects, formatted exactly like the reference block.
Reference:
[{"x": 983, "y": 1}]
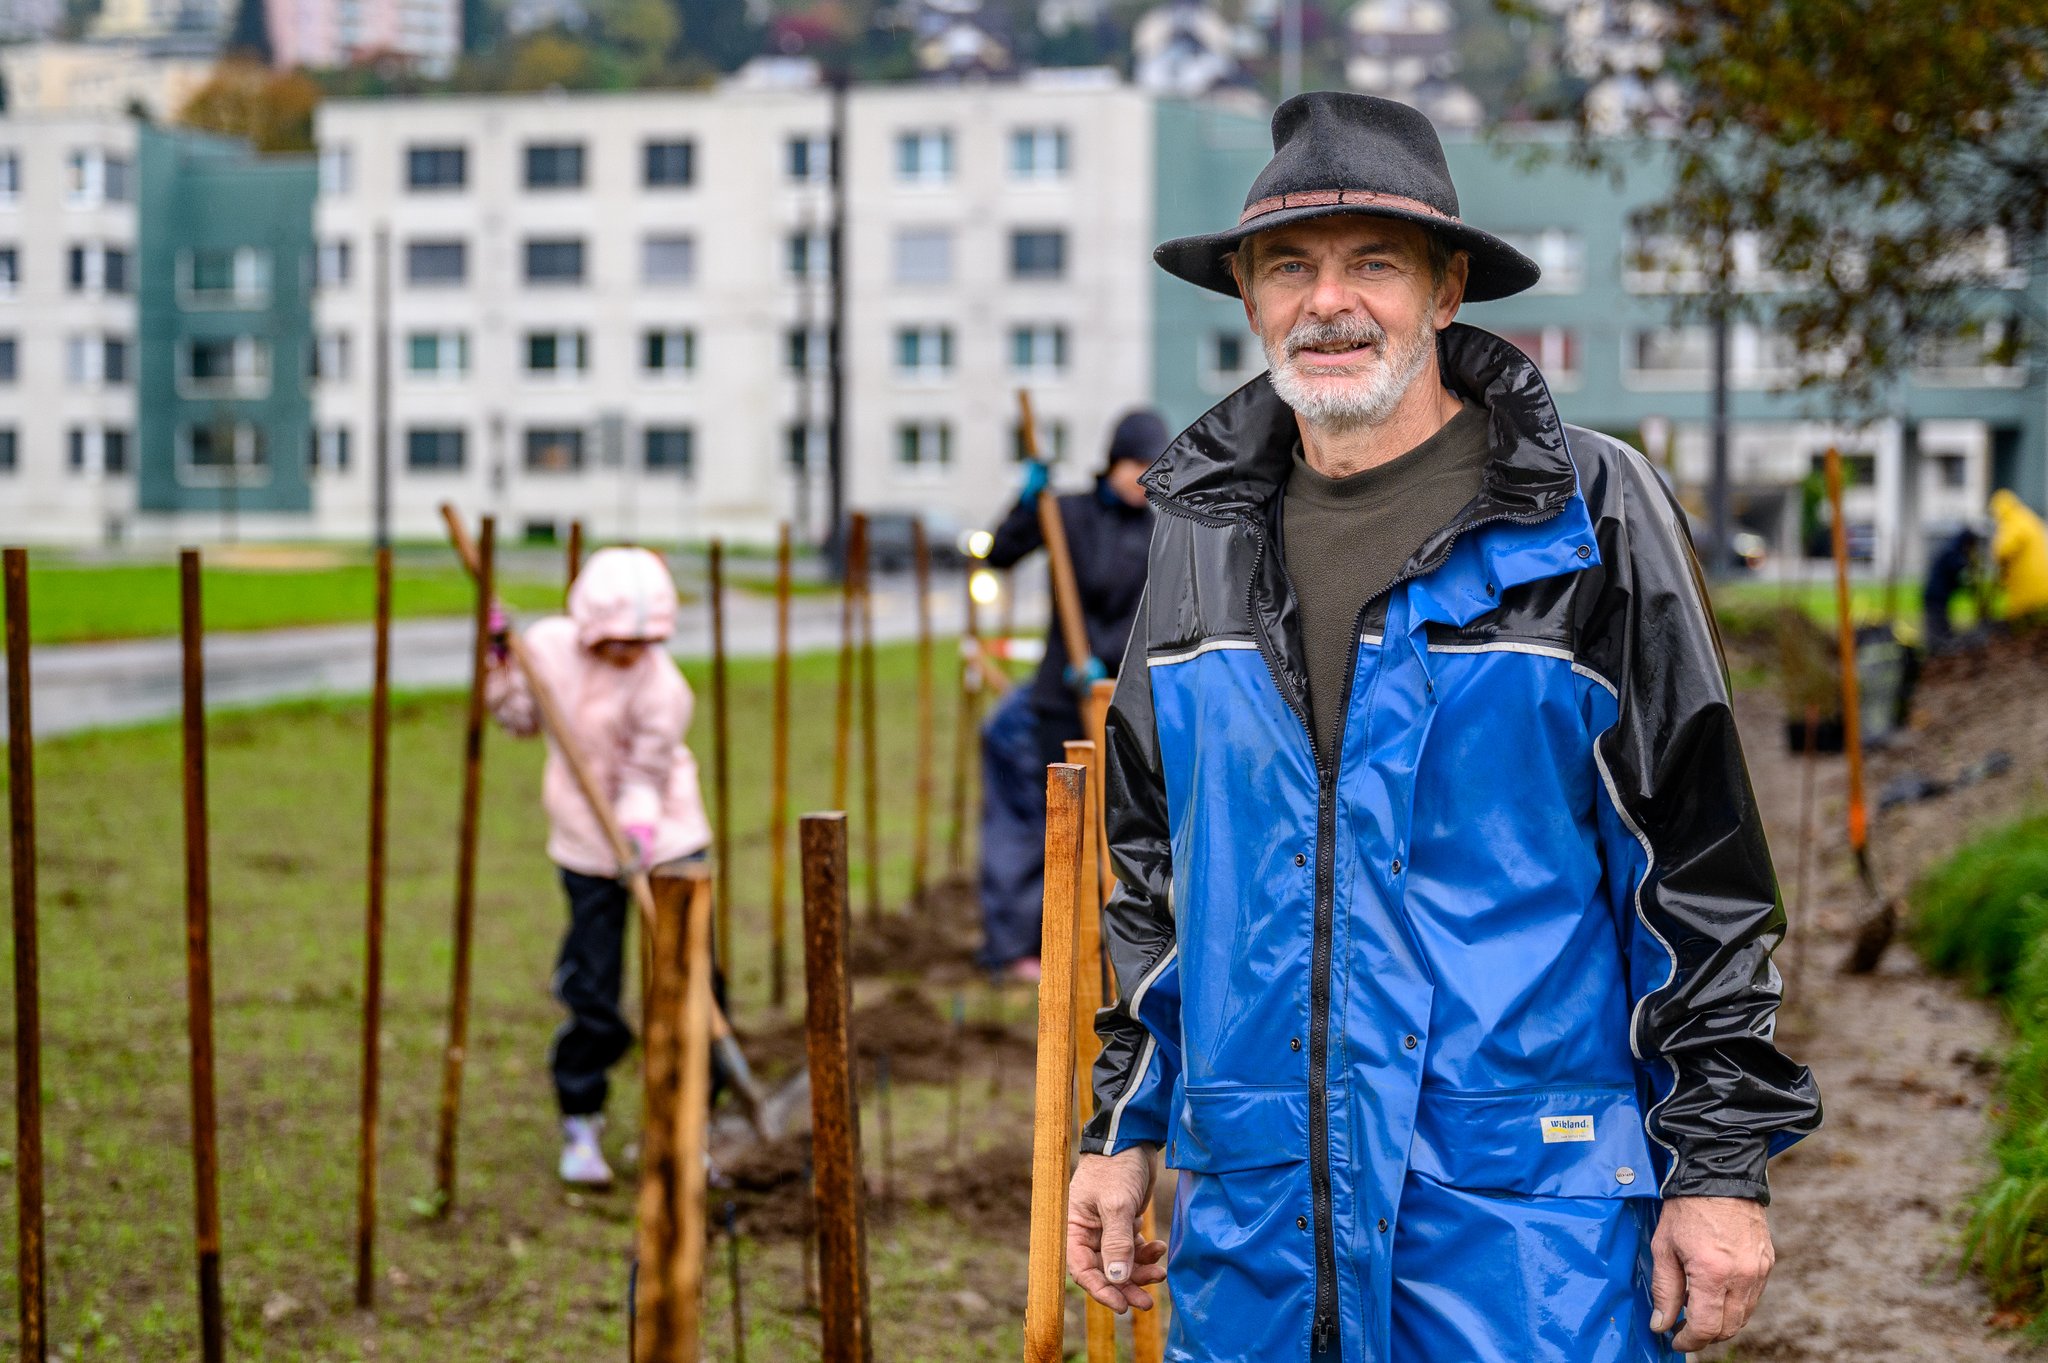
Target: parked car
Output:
[{"x": 892, "y": 549}]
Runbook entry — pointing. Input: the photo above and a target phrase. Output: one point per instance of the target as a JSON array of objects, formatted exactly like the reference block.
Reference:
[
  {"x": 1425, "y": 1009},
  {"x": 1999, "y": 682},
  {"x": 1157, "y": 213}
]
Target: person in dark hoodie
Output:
[{"x": 1109, "y": 530}]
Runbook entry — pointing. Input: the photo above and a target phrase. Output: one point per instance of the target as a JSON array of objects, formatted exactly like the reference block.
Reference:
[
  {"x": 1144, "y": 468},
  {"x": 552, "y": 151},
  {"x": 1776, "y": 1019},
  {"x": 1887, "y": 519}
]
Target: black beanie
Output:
[{"x": 1141, "y": 437}]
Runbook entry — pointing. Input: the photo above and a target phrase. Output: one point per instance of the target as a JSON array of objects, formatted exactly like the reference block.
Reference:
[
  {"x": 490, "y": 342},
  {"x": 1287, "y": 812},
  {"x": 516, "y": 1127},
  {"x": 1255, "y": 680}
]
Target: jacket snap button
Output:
[
  {"x": 1383, "y": 1225},
  {"x": 1397, "y": 866},
  {"x": 1585, "y": 551},
  {"x": 1624, "y": 1175},
  {"x": 1294, "y": 1043},
  {"x": 1409, "y": 1042},
  {"x": 1300, "y": 860},
  {"x": 1301, "y": 1223}
]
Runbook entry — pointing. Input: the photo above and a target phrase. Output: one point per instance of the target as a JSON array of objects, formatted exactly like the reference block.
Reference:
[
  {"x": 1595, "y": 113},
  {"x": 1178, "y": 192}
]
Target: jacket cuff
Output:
[
  {"x": 1095, "y": 1145},
  {"x": 1750, "y": 1190}
]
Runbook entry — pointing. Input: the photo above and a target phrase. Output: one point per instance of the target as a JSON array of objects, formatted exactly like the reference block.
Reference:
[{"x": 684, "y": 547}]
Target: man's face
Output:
[
  {"x": 1347, "y": 309},
  {"x": 1123, "y": 481}
]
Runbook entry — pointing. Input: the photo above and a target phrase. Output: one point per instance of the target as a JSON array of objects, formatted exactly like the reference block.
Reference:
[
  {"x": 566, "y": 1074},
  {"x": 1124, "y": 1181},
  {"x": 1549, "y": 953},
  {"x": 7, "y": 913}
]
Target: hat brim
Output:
[{"x": 1497, "y": 269}]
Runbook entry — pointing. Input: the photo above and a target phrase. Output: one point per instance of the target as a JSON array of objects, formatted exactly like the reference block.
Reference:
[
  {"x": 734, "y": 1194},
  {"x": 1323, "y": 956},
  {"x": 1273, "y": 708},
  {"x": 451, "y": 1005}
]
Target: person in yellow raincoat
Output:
[{"x": 2019, "y": 548}]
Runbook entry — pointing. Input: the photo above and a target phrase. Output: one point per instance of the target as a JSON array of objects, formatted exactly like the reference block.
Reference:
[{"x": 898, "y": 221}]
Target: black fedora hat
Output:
[{"x": 1333, "y": 153}]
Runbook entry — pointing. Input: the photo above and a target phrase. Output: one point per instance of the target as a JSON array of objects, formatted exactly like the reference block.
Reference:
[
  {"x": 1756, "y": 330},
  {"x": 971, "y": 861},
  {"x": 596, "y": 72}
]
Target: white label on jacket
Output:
[{"x": 1557, "y": 1129}]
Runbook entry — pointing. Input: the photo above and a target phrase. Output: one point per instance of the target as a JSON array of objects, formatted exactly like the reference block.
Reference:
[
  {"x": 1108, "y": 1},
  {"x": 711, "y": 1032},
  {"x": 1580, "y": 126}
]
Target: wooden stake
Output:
[
  {"x": 1052, "y": 1144},
  {"x": 1099, "y": 696},
  {"x": 733, "y": 1285},
  {"x": 1099, "y": 1319},
  {"x": 1066, "y": 593},
  {"x": 1852, "y": 716},
  {"x": 849, "y": 605},
  {"x": 966, "y": 733},
  {"x": 835, "y": 1118},
  {"x": 693, "y": 1111},
  {"x": 953, "y": 1089},
  {"x": 656, "y": 1230},
  {"x": 373, "y": 940},
  {"x": 921, "y": 826},
  {"x": 721, "y": 764},
  {"x": 575, "y": 555},
  {"x": 778, "y": 786},
  {"x": 886, "y": 1119},
  {"x": 465, "y": 878},
  {"x": 870, "y": 780},
  {"x": 28, "y": 1026},
  {"x": 1148, "y": 1328},
  {"x": 199, "y": 966}
]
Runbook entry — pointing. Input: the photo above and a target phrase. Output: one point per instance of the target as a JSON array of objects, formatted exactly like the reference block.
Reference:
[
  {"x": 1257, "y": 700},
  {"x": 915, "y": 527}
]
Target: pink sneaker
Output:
[{"x": 1023, "y": 970}]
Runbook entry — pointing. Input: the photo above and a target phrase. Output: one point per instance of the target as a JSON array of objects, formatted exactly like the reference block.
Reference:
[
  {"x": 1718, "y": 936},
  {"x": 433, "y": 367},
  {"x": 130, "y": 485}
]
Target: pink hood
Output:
[{"x": 623, "y": 594}]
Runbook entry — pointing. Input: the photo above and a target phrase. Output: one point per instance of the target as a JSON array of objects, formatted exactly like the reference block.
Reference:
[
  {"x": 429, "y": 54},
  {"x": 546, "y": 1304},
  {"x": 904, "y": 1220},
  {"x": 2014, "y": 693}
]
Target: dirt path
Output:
[{"x": 1866, "y": 1211}]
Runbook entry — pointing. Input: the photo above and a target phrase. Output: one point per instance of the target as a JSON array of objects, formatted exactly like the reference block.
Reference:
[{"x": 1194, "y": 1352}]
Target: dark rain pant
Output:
[
  {"x": 588, "y": 977},
  {"x": 1017, "y": 743}
]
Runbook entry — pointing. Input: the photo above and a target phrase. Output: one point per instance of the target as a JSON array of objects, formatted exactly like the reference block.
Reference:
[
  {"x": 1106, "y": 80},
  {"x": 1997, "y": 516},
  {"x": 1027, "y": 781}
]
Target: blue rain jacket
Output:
[{"x": 1429, "y": 1032}]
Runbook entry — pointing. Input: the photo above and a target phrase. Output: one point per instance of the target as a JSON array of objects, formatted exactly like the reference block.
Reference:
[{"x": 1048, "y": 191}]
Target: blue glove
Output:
[
  {"x": 1036, "y": 480},
  {"x": 1086, "y": 675}
]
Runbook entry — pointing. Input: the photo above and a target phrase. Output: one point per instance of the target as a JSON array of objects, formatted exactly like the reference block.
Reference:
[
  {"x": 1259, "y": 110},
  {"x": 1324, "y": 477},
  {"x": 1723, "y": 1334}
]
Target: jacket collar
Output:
[{"x": 1235, "y": 459}]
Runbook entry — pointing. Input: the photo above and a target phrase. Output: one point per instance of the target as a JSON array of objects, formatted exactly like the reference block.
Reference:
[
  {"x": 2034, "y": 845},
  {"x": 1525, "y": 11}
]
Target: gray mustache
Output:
[{"x": 1361, "y": 332}]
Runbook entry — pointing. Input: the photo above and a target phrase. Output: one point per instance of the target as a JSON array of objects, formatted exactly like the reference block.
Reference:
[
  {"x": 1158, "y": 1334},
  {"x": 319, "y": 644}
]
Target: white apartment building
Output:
[
  {"x": 613, "y": 308},
  {"x": 67, "y": 324},
  {"x": 328, "y": 33}
]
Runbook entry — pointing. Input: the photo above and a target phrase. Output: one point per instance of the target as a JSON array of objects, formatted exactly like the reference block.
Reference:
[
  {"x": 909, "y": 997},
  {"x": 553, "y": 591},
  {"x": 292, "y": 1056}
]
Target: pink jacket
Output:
[{"x": 629, "y": 722}]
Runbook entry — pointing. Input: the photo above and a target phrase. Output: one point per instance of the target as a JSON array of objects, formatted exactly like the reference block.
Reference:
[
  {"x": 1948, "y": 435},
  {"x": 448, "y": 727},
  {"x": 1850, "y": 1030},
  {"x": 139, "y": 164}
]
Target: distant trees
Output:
[
  {"x": 1879, "y": 161},
  {"x": 272, "y": 110}
]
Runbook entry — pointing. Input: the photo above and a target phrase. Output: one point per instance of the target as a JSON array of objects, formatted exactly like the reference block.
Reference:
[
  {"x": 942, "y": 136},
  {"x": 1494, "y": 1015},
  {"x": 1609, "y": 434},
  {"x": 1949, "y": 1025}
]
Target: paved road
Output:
[{"x": 85, "y": 686}]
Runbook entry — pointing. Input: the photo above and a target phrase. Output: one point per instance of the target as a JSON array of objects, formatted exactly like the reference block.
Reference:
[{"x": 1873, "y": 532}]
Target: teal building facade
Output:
[{"x": 225, "y": 327}]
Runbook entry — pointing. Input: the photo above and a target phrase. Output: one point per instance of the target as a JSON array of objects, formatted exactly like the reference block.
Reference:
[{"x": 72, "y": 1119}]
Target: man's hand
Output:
[
  {"x": 1104, "y": 1251},
  {"x": 1711, "y": 1255}
]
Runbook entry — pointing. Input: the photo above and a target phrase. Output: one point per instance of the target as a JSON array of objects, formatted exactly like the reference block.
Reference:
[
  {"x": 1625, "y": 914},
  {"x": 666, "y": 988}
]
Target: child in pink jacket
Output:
[{"x": 627, "y": 705}]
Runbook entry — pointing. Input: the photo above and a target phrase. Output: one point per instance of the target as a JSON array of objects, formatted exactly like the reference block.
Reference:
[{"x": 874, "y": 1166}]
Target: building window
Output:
[
  {"x": 225, "y": 451},
  {"x": 806, "y": 350},
  {"x": 1555, "y": 351},
  {"x": 670, "y": 448},
  {"x": 114, "y": 451},
  {"x": 1038, "y": 255},
  {"x": 924, "y": 352},
  {"x": 115, "y": 362},
  {"x": 668, "y": 165},
  {"x": 98, "y": 269},
  {"x": 327, "y": 448},
  {"x": 331, "y": 357},
  {"x": 554, "y": 260},
  {"x": 1226, "y": 354},
  {"x": 924, "y": 157},
  {"x": 924, "y": 255},
  {"x": 1559, "y": 252},
  {"x": 670, "y": 352},
  {"x": 1038, "y": 349},
  {"x": 93, "y": 360},
  {"x": 337, "y": 171},
  {"x": 10, "y": 270},
  {"x": 10, "y": 178},
  {"x": 1038, "y": 153},
  {"x": 554, "y": 165},
  {"x": 1670, "y": 353},
  {"x": 436, "y": 167},
  {"x": 334, "y": 264},
  {"x": 807, "y": 158},
  {"x": 437, "y": 354},
  {"x": 93, "y": 177},
  {"x": 431, "y": 263},
  {"x": 435, "y": 449},
  {"x": 7, "y": 449},
  {"x": 668, "y": 260},
  {"x": 225, "y": 277},
  {"x": 1052, "y": 441},
  {"x": 554, "y": 449},
  {"x": 808, "y": 255},
  {"x": 224, "y": 366},
  {"x": 9, "y": 359},
  {"x": 74, "y": 449},
  {"x": 1952, "y": 471},
  {"x": 803, "y": 447},
  {"x": 1984, "y": 353},
  {"x": 557, "y": 352},
  {"x": 115, "y": 276},
  {"x": 925, "y": 446}
]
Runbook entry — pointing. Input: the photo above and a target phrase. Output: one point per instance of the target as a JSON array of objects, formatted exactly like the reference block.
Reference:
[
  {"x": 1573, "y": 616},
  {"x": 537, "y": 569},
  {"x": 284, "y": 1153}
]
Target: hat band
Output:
[{"x": 1330, "y": 198}]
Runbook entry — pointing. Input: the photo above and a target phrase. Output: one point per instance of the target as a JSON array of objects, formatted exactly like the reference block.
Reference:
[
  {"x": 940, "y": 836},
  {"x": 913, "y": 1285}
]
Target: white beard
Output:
[{"x": 1348, "y": 403}]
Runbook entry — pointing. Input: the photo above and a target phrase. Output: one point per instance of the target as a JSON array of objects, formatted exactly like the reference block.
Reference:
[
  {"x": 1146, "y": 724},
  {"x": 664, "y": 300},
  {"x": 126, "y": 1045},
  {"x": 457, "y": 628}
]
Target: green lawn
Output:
[
  {"x": 73, "y": 603},
  {"x": 520, "y": 1271}
]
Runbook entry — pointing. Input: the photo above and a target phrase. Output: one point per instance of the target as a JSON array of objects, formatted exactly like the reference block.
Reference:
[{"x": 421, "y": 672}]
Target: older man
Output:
[{"x": 1445, "y": 915}]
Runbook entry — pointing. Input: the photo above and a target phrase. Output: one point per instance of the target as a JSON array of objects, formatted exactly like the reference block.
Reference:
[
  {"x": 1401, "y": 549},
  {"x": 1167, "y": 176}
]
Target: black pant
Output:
[{"x": 588, "y": 977}]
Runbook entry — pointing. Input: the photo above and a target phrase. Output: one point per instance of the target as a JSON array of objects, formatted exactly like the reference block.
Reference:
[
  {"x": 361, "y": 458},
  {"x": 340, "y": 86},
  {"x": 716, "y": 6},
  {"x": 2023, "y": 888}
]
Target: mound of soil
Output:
[
  {"x": 922, "y": 1045},
  {"x": 935, "y": 943}
]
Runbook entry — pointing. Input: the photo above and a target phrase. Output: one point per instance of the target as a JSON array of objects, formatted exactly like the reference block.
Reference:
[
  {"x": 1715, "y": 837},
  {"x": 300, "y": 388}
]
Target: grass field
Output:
[{"x": 520, "y": 1270}]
